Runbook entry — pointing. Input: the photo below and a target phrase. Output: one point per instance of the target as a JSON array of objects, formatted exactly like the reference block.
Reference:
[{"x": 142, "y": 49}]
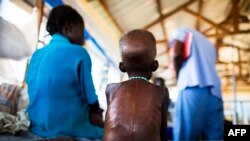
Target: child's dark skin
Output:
[{"x": 136, "y": 108}]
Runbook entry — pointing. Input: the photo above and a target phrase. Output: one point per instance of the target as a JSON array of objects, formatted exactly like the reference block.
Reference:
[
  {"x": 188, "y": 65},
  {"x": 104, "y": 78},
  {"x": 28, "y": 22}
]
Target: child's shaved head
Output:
[{"x": 138, "y": 48}]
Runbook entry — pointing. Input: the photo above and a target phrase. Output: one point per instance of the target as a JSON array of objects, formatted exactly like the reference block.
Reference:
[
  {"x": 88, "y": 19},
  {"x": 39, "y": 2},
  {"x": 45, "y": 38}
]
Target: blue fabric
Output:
[
  {"x": 199, "y": 69},
  {"x": 198, "y": 112},
  {"x": 54, "y": 3},
  {"x": 60, "y": 87}
]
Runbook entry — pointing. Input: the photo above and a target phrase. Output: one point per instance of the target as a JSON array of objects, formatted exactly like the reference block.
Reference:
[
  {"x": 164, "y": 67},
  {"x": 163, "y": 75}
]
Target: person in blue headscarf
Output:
[{"x": 199, "y": 107}]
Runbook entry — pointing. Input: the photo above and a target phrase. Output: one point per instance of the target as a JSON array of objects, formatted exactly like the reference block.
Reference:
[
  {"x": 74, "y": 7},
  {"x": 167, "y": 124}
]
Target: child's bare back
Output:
[{"x": 136, "y": 111}]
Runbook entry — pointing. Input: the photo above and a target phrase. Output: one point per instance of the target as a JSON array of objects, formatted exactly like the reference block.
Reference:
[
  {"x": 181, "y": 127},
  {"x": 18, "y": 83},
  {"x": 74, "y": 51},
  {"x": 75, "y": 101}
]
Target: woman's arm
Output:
[{"x": 178, "y": 56}]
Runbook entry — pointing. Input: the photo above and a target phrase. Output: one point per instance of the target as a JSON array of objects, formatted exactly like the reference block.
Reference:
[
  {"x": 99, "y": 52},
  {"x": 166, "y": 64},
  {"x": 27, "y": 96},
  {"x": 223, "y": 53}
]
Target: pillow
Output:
[{"x": 9, "y": 98}]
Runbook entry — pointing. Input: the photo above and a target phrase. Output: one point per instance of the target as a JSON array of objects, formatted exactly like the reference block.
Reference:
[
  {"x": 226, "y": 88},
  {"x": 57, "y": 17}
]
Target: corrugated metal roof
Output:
[
  {"x": 130, "y": 14},
  {"x": 216, "y": 10}
]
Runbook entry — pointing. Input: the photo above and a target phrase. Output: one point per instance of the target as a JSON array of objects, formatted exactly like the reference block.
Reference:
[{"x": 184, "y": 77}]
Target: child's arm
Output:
[{"x": 164, "y": 115}]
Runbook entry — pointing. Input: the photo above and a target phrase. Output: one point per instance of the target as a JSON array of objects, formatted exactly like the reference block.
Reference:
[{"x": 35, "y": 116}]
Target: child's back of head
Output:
[{"x": 138, "y": 49}]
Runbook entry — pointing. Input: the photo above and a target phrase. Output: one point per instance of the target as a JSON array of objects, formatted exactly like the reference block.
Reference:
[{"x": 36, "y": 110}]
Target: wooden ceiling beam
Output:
[
  {"x": 199, "y": 17},
  {"x": 240, "y": 62},
  {"x": 163, "y": 66},
  {"x": 207, "y": 30},
  {"x": 40, "y": 7},
  {"x": 234, "y": 18},
  {"x": 105, "y": 7},
  {"x": 230, "y": 33},
  {"x": 169, "y": 14},
  {"x": 241, "y": 18},
  {"x": 227, "y": 19},
  {"x": 243, "y": 4},
  {"x": 218, "y": 44},
  {"x": 159, "y": 9},
  {"x": 200, "y": 7},
  {"x": 235, "y": 14},
  {"x": 235, "y": 62},
  {"x": 234, "y": 46},
  {"x": 161, "y": 53},
  {"x": 165, "y": 40},
  {"x": 161, "y": 41}
]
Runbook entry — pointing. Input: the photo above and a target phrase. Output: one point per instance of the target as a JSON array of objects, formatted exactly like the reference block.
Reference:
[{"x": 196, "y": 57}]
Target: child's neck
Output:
[{"x": 145, "y": 75}]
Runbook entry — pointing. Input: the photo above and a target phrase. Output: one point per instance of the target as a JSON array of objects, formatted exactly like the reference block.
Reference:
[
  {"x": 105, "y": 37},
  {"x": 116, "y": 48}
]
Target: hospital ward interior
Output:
[{"x": 222, "y": 71}]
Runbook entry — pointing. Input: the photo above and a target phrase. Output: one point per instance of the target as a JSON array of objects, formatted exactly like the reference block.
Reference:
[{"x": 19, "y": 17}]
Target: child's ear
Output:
[
  {"x": 155, "y": 65},
  {"x": 122, "y": 67}
]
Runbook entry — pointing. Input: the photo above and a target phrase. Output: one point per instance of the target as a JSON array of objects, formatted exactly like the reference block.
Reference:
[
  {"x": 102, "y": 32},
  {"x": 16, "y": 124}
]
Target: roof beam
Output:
[
  {"x": 200, "y": 7},
  {"x": 160, "y": 41},
  {"x": 237, "y": 47},
  {"x": 159, "y": 8},
  {"x": 161, "y": 53},
  {"x": 219, "y": 42},
  {"x": 230, "y": 33},
  {"x": 235, "y": 62},
  {"x": 207, "y": 30},
  {"x": 105, "y": 7},
  {"x": 163, "y": 67},
  {"x": 227, "y": 19},
  {"x": 240, "y": 62},
  {"x": 243, "y": 4},
  {"x": 235, "y": 12},
  {"x": 199, "y": 17},
  {"x": 169, "y": 14},
  {"x": 40, "y": 7},
  {"x": 234, "y": 18},
  {"x": 235, "y": 7}
]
